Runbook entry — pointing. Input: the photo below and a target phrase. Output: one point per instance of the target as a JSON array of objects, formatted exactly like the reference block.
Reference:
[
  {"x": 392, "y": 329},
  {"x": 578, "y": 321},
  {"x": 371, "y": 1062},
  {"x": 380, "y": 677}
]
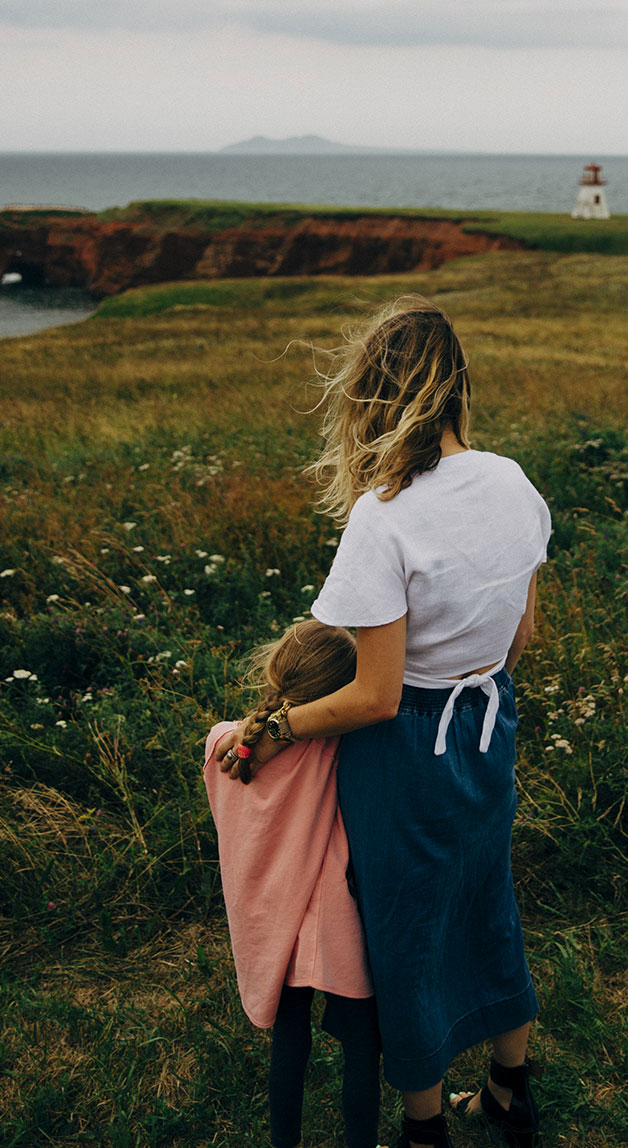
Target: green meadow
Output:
[{"x": 155, "y": 525}]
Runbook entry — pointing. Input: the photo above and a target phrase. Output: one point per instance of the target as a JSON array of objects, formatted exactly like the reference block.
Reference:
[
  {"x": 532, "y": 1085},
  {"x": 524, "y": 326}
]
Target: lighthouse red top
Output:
[{"x": 591, "y": 175}]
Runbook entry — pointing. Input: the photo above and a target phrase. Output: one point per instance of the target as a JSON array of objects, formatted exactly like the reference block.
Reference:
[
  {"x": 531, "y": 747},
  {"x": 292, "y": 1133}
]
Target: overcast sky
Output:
[{"x": 193, "y": 75}]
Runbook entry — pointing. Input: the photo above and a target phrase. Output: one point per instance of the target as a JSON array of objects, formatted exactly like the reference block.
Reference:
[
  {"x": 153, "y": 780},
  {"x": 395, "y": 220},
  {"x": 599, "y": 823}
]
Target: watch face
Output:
[{"x": 272, "y": 725}]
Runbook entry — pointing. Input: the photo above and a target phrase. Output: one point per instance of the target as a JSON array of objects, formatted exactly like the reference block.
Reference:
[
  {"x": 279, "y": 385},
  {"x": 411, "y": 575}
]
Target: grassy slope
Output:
[
  {"x": 134, "y": 447},
  {"x": 549, "y": 232}
]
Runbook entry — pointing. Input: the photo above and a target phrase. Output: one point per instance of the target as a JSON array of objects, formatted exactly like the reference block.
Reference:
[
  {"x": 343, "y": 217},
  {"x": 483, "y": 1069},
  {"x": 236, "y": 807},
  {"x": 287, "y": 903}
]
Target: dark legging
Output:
[{"x": 354, "y": 1023}]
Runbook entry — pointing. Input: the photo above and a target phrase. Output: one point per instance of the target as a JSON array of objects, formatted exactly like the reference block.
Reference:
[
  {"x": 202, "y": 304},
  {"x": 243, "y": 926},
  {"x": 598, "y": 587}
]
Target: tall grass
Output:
[{"x": 156, "y": 524}]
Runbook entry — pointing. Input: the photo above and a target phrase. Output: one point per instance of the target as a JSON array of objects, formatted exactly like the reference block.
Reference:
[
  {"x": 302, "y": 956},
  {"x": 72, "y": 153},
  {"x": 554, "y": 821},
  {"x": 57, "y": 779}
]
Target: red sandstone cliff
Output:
[{"x": 107, "y": 258}]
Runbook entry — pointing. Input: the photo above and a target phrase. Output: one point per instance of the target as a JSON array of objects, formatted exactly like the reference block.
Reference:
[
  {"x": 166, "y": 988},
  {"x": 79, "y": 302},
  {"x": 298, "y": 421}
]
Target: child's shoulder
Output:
[{"x": 216, "y": 733}]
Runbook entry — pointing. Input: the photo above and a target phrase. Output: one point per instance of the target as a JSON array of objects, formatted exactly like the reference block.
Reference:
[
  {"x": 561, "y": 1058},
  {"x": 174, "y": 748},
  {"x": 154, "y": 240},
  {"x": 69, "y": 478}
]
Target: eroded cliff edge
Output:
[{"x": 108, "y": 256}]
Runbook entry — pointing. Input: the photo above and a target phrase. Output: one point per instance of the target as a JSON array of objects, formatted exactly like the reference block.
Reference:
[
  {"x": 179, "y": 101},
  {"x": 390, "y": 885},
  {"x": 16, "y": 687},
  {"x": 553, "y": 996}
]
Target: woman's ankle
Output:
[{"x": 502, "y": 1095}]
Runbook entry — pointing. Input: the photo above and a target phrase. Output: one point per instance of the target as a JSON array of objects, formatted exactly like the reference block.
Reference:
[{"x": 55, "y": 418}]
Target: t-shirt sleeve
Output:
[
  {"x": 543, "y": 519},
  {"x": 366, "y": 585},
  {"x": 545, "y": 524}
]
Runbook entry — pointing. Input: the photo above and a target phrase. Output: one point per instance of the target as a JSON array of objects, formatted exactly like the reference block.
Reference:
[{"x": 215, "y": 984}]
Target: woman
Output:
[{"x": 437, "y": 571}]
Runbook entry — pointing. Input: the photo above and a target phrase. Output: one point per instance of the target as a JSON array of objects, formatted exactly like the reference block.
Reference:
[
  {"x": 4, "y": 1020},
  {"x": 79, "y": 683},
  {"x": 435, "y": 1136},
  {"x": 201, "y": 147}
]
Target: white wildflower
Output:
[
  {"x": 22, "y": 674},
  {"x": 271, "y": 571},
  {"x": 553, "y": 689},
  {"x": 125, "y": 589},
  {"x": 129, "y": 525},
  {"x": 332, "y": 542},
  {"x": 166, "y": 558},
  {"x": 62, "y": 724},
  {"x": 216, "y": 558},
  {"x": 307, "y": 589},
  {"x": 58, "y": 561},
  {"x": 104, "y": 550},
  {"x": 7, "y": 573},
  {"x": 211, "y": 568},
  {"x": 201, "y": 553},
  {"x": 265, "y": 594},
  {"x": 36, "y": 725},
  {"x": 163, "y": 656},
  {"x": 188, "y": 593},
  {"x": 137, "y": 549},
  {"x": 88, "y": 697},
  {"x": 586, "y": 706},
  {"x": 149, "y": 578},
  {"x": 562, "y": 743},
  {"x": 179, "y": 665},
  {"x": 144, "y": 466},
  {"x": 139, "y": 617},
  {"x": 52, "y": 598}
]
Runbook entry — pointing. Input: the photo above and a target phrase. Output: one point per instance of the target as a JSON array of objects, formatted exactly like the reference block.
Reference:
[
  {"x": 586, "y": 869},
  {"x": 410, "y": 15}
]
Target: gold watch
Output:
[{"x": 278, "y": 726}]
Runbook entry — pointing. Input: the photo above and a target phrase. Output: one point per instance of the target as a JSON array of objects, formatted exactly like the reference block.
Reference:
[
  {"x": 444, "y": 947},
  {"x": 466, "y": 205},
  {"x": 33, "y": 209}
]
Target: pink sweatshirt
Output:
[{"x": 283, "y": 860}]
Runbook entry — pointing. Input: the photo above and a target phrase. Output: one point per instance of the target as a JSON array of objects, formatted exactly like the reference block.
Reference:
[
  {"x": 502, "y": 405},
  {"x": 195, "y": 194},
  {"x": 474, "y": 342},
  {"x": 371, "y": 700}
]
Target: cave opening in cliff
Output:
[{"x": 31, "y": 274}]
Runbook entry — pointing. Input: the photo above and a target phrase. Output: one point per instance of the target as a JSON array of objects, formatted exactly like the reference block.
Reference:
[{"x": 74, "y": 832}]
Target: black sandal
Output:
[
  {"x": 432, "y": 1131},
  {"x": 519, "y": 1123}
]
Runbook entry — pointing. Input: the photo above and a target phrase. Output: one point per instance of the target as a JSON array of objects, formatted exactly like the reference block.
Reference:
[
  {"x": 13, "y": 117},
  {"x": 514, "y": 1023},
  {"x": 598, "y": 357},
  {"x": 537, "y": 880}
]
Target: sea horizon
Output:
[
  {"x": 466, "y": 181},
  {"x": 354, "y": 150}
]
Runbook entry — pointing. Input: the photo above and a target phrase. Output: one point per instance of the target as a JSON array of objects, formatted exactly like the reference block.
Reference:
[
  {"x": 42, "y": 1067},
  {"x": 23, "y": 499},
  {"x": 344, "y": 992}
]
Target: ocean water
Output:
[
  {"x": 98, "y": 180},
  {"x": 24, "y": 310},
  {"x": 502, "y": 182}
]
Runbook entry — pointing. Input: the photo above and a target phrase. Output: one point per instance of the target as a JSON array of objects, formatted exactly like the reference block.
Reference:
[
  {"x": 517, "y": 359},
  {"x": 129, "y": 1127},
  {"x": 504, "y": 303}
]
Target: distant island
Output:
[{"x": 307, "y": 145}]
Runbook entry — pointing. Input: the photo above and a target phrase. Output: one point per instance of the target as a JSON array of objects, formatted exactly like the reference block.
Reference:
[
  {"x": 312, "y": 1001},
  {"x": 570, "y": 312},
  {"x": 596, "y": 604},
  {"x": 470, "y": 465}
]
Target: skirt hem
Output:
[{"x": 414, "y": 1074}]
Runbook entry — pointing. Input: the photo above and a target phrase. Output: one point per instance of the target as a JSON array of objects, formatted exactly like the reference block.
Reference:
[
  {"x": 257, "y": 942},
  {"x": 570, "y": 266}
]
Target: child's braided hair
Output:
[{"x": 309, "y": 661}]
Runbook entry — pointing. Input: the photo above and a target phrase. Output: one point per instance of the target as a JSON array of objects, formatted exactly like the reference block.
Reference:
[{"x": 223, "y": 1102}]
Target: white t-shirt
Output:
[{"x": 455, "y": 551}]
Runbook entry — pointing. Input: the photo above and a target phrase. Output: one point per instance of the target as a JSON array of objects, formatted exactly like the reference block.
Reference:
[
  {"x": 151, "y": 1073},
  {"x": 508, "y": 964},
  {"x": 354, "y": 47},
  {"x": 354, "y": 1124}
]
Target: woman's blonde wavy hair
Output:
[
  {"x": 309, "y": 661},
  {"x": 393, "y": 387}
]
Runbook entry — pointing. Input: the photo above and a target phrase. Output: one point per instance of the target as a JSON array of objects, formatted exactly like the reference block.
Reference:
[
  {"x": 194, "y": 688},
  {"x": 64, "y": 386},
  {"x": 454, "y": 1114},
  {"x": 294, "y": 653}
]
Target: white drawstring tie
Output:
[{"x": 485, "y": 682}]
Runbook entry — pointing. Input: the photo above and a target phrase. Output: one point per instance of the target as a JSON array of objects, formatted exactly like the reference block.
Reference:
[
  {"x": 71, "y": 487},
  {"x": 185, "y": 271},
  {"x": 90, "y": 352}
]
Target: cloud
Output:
[
  {"x": 504, "y": 24},
  {"x": 404, "y": 23}
]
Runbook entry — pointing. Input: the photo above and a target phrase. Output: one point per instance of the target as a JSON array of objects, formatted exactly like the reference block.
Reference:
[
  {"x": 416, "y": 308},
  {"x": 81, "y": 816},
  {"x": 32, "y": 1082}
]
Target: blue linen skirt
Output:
[{"x": 429, "y": 838}]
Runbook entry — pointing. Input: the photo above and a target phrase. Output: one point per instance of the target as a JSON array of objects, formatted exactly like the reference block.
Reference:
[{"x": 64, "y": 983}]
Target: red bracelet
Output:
[{"x": 243, "y": 751}]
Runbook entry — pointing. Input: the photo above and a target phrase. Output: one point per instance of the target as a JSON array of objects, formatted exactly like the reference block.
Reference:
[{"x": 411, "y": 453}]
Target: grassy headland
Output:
[
  {"x": 543, "y": 230},
  {"x": 156, "y": 524}
]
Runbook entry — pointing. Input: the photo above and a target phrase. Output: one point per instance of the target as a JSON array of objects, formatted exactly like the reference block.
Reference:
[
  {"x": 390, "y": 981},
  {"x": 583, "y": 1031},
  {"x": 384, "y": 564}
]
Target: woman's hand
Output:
[
  {"x": 244, "y": 769},
  {"x": 373, "y": 696}
]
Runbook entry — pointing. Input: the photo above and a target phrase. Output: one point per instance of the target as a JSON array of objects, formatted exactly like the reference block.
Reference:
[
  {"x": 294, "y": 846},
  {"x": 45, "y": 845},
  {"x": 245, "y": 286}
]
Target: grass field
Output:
[{"x": 155, "y": 525}]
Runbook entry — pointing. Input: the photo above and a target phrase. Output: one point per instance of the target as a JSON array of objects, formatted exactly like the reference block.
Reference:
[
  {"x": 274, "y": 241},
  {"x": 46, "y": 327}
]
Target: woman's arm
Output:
[
  {"x": 372, "y": 696},
  {"x": 524, "y": 630}
]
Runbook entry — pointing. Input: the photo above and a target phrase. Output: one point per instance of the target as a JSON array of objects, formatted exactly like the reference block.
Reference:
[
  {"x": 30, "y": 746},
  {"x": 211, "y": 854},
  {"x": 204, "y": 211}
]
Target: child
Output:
[{"x": 293, "y": 923}]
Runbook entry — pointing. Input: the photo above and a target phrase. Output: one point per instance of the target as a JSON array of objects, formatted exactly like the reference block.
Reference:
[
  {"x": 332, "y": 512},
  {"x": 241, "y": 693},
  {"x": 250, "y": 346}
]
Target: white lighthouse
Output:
[{"x": 591, "y": 202}]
